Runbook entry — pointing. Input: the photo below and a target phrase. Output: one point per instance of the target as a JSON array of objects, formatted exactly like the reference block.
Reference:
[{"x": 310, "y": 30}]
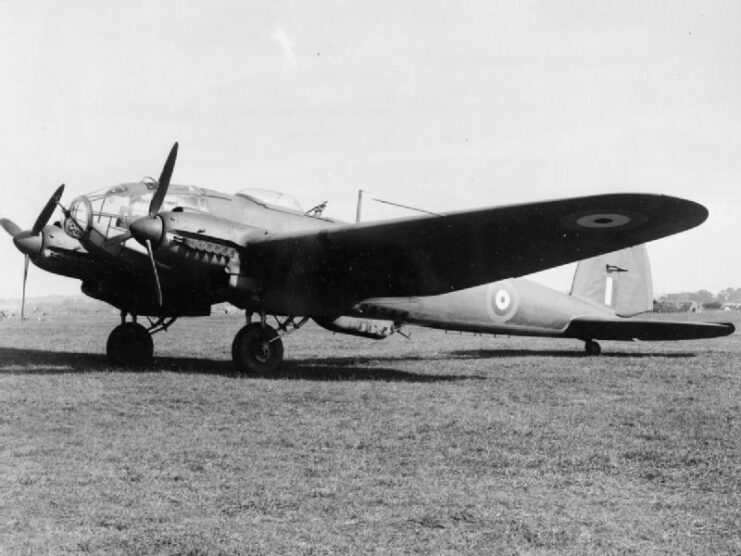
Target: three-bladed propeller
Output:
[
  {"x": 149, "y": 229},
  {"x": 30, "y": 242}
]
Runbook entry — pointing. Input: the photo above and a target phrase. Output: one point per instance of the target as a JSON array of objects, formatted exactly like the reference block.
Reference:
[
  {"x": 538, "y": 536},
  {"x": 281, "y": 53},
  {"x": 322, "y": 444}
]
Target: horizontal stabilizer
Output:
[{"x": 645, "y": 330}]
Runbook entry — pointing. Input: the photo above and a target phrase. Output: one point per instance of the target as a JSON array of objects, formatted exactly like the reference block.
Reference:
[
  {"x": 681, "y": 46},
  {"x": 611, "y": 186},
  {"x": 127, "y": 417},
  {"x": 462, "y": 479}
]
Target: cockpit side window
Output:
[
  {"x": 140, "y": 205},
  {"x": 109, "y": 209},
  {"x": 184, "y": 201},
  {"x": 116, "y": 206}
]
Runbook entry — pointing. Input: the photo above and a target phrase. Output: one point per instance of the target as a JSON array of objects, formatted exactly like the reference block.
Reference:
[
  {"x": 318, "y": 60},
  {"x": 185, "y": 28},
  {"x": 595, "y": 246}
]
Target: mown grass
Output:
[{"x": 444, "y": 444}]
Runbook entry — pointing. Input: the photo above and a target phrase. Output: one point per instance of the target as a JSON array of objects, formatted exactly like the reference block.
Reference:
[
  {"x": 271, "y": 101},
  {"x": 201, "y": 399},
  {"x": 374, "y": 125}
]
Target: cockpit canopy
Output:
[
  {"x": 111, "y": 210},
  {"x": 273, "y": 198}
]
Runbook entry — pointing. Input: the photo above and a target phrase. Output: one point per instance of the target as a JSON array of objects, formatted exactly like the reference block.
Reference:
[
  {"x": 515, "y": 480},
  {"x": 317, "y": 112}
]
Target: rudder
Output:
[{"x": 620, "y": 280}]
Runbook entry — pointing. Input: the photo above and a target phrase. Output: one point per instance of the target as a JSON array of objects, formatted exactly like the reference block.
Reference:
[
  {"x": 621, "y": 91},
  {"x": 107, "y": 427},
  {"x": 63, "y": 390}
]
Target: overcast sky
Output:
[{"x": 441, "y": 105}]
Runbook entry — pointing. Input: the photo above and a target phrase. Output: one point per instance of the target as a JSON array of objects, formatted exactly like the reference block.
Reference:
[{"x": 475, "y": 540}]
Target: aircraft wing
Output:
[
  {"x": 437, "y": 254},
  {"x": 645, "y": 330}
]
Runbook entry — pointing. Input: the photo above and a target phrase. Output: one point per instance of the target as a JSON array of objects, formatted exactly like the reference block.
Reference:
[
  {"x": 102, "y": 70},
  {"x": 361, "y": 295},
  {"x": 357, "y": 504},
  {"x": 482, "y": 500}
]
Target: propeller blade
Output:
[
  {"x": 23, "y": 296},
  {"x": 11, "y": 227},
  {"x": 164, "y": 182},
  {"x": 45, "y": 215},
  {"x": 156, "y": 274}
]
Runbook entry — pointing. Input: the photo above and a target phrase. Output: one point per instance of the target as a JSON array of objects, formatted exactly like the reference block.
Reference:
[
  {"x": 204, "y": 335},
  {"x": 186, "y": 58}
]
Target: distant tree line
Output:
[
  {"x": 728, "y": 295},
  {"x": 700, "y": 299}
]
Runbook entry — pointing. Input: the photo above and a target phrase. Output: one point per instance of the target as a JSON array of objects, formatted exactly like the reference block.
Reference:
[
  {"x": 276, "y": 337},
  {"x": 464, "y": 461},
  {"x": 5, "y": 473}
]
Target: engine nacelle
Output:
[
  {"x": 375, "y": 329},
  {"x": 194, "y": 239}
]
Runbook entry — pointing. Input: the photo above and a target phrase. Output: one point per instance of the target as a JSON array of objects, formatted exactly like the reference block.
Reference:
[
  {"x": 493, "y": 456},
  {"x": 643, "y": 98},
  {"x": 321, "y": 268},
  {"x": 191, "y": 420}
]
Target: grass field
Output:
[{"x": 444, "y": 444}]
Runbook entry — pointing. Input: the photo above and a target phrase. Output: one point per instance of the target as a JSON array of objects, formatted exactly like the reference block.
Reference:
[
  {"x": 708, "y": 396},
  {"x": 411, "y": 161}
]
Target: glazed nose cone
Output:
[
  {"x": 147, "y": 229},
  {"x": 28, "y": 243}
]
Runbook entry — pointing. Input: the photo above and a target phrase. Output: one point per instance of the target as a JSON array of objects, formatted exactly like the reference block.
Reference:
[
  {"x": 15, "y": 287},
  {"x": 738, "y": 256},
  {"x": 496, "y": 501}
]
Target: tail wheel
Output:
[
  {"x": 592, "y": 347},
  {"x": 257, "y": 349},
  {"x": 130, "y": 344}
]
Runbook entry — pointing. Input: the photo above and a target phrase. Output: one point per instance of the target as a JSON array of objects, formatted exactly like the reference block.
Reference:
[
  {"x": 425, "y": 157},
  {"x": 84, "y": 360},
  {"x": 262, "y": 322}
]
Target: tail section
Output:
[{"x": 619, "y": 280}]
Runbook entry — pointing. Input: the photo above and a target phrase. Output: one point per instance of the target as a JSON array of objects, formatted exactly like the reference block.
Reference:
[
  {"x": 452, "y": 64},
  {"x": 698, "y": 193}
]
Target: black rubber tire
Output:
[
  {"x": 592, "y": 347},
  {"x": 257, "y": 350},
  {"x": 129, "y": 344}
]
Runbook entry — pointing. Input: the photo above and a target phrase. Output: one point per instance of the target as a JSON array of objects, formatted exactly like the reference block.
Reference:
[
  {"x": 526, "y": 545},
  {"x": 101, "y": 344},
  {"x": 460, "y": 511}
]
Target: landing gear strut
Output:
[
  {"x": 257, "y": 348},
  {"x": 592, "y": 347}
]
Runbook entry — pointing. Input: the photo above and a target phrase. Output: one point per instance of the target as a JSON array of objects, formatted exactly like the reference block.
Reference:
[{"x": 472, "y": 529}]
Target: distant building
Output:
[{"x": 671, "y": 306}]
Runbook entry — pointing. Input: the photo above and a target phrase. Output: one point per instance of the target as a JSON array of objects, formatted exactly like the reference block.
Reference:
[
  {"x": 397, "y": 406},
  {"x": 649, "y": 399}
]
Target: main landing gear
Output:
[
  {"x": 130, "y": 343},
  {"x": 258, "y": 348},
  {"x": 592, "y": 347}
]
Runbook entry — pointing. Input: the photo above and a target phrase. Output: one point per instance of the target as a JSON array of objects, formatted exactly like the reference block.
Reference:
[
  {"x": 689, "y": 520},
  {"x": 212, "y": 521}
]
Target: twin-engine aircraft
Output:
[{"x": 167, "y": 251}]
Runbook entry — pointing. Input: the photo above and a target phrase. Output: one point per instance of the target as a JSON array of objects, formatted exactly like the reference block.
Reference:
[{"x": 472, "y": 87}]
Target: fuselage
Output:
[{"x": 509, "y": 307}]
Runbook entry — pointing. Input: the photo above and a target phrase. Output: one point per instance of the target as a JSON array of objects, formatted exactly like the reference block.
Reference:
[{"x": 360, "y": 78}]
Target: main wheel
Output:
[
  {"x": 130, "y": 344},
  {"x": 592, "y": 347},
  {"x": 257, "y": 349}
]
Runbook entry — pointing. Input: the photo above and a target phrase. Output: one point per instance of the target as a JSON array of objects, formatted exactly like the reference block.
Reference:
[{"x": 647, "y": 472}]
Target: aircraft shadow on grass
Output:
[
  {"x": 43, "y": 362},
  {"x": 503, "y": 353},
  {"x": 34, "y": 361}
]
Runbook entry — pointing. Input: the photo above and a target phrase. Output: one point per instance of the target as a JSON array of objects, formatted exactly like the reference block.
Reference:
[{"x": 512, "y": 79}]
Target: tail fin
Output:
[{"x": 619, "y": 280}]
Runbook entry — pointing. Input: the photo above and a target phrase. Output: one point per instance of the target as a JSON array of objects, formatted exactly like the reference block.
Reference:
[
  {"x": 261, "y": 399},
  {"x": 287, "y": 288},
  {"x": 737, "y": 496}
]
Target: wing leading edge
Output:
[
  {"x": 645, "y": 330},
  {"x": 431, "y": 255}
]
